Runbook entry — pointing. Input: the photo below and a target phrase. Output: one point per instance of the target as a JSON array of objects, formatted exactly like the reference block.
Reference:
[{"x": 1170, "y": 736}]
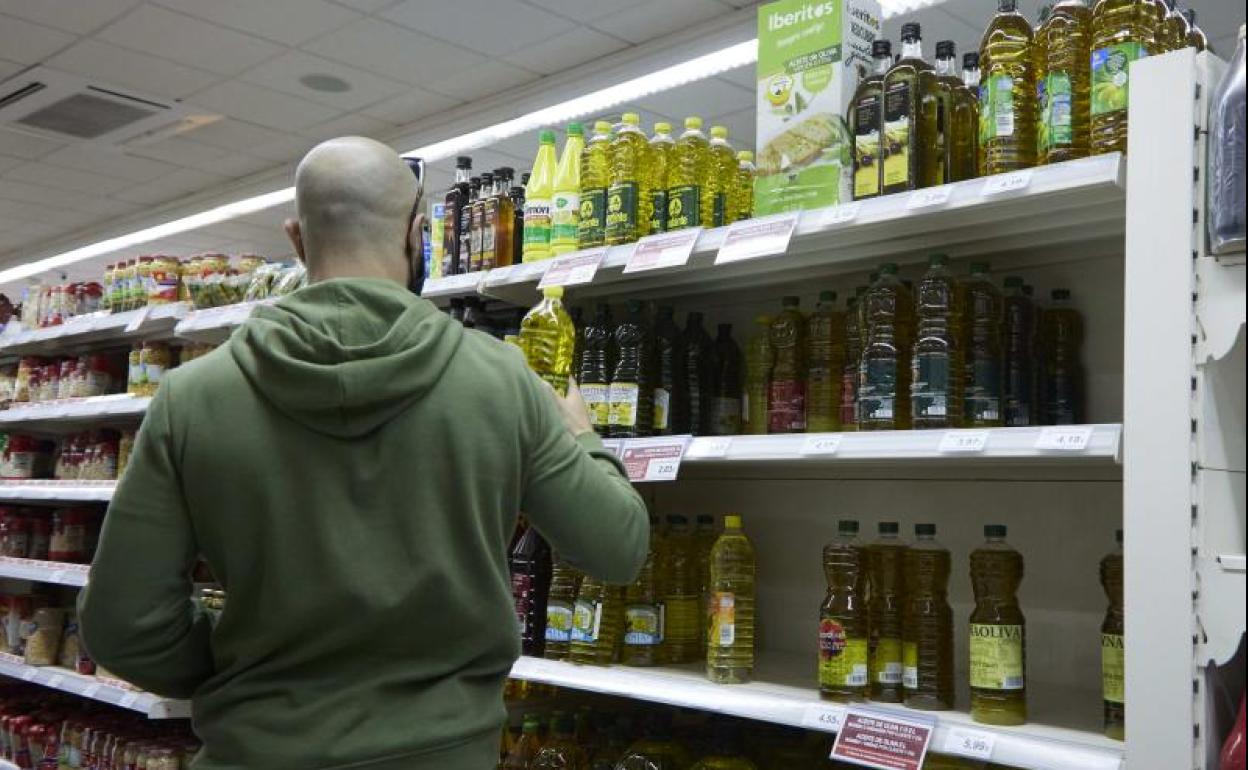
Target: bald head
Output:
[{"x": 354, "y": 198}]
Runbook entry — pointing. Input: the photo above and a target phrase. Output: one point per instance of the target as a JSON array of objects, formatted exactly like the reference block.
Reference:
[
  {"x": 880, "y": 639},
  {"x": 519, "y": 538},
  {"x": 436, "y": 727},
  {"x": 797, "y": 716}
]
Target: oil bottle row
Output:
[{"x": 479, "y": 223}]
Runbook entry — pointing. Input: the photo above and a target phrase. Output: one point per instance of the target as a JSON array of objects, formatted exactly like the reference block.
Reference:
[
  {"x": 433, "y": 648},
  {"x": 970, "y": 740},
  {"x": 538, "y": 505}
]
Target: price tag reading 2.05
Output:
[{"x": 656, "y": 459}]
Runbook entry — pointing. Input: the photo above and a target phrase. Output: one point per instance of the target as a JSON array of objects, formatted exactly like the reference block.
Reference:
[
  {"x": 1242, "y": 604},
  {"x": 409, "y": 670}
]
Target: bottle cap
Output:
[
  {"x": 945, "y": 49},
  {"x": 634, "y": 305},
  {"x": 928, "y": 530},
  {"x": 676, "y": 518},
  {"x": 719, "y": 132},
  {"x": 888, "y": 268},
  {"x": 1013, "y": 281},
  {"x": 732, "y": 521},
  {"x": 881, "y": 48},
  {"x": 553, "y": 292},
  {"x": 463, "y": 161},
  {"x": 847, "y": 527},
  {"x": 827, "y": 296},
  {"x": 667, "y": 311},
  {"x": 979, "y": 268},
  {"x": 524, "y": 178},
  {"x": 602, "y": 127},
  {"x": 938, "y": 260},
  {"x": 693, "y": 122},
  {"x": 889, "y": 528},
  {"x": 1007, "y": 6},
  {"x": 911, "y": 31},
  {"x": 507, "y": 172},
  {"x": 547, "y": 137},
  {"x": 631, "y": 118},
  {"x": 994, "y": 530},
  {"x": 970, "y": 60},
  {"x": 662, "y": 127},
  {"x": 745, "y": 155},
  {"x": 1060, "y": 294},
  {"x": 575, "y": 129},
  {"x": 790, "y": 301}
]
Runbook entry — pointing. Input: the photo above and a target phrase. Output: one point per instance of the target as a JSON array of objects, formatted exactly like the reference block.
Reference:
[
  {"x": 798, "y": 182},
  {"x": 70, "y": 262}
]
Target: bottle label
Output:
[
  {"x": 437, "y": 239},
  {"x": 867, "y": 149},
  {"x": 726, "y": 416},
  {"x": 849, "y": 396},
  {"x": 592, "y": 227},
  {"x": 1055, "y": 111},
  {"x": 1113, "y": 671},
  {"x": 983, "y": 392},
  {"x": 622, "y": 212},
  {"x": 786, "y": 406},
  {"x": 595, "y": 398},
  {"x": 823, "y": 400},
  {"x": 536, "y": 223},
  {"x": 723, "y": 619},
  {"x": 622, "y": 406},
  {"x": 658, "y": 211},
  {"x": 719, "y": 209},
  {"x": 558, "y": 621},
  {"x": 877, "y": 390},
  {"x": 586, "y": 621},
  {"x": 565, "y": 217},
  {"x": 910, "y": 665},
  {"x": 450, "y": 239},
  {"x": 662, "y": 408},
  {"x": 683, "y": 206},
  {"x": 1111, "y": 81},
  {"x": 842, "y": 659},
  {"x": 896, "y": 139},
  {"x": 997, "y": 657},
  {"x": 929, "y": 391},
  {"x": 643, "y": 625},
  {"x": 886, "y": 662},
  {"x": 996, "y": 108},
  {"x": 522, "y": 594}
]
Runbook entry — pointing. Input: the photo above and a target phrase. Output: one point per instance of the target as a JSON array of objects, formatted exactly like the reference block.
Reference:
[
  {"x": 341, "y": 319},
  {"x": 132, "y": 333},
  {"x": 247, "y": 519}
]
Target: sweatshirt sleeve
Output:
[
  {"x": 578, "y": 497},
  {"x": 137, "y": 616}
]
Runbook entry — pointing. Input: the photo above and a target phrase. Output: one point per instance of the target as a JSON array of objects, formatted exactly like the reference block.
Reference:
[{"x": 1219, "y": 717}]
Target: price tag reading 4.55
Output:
[
  {"x": 969, "y": 743},
  {"x": 654, "y": 459},
  {"x": 999, "y": 184},
  {"x": 964, "y": 441},
  {"x": 825, "y": 718},
  {"x": 1064, "y": 438}
]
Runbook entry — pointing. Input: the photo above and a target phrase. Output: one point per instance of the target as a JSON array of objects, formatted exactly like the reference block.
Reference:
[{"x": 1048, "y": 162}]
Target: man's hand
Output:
[{"x": 572, "y": 409}]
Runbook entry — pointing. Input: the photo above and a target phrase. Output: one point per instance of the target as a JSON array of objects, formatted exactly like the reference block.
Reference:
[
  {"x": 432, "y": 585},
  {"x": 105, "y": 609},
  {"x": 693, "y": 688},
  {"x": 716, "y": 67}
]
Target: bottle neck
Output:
[
  {"x": 882, "y": 63},
  {"x": 970, "y": 78},
  {"x": 912, "y": 49},
  {"x": 462, "y": 175},
  {"x": 946, "y": 67}
]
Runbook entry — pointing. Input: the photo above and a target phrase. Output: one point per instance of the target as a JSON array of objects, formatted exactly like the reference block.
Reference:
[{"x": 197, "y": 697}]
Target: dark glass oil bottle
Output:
[
  {"x": 698, "y": 355},
  {"x": 631, "y": 395},
  {"x": 671, "y": 397},
  {"x": 909, "y": 136},
  {"x": 594, "y": 374},
  {"x": 866, "y": 121},
  {"x": 457, "y": 199},
  {"x": 530, "y": 585}
]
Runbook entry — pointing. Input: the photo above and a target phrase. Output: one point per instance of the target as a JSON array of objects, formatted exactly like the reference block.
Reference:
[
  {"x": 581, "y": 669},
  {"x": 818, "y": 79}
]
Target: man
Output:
[{"x": 350, "y": 465}]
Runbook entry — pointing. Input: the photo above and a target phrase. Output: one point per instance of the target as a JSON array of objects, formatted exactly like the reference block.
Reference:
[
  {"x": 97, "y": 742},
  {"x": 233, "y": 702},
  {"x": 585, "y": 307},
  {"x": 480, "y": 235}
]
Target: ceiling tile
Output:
[
  {"x": 289, "y": 148},
  {"x": 657, "y": 18},
  {"x": 21, "y": 145},
  {"x": 29, "y": 43},
  {"x": 9, "y": 68},
  {"x": 705, "y": 97},
  {"x": 233, "y": 164},
  {"x": 231, "y": 134},
  {"x": 746, "y": 77},
  {"x": 12, "y": 189},
  {"x": 7, "y": 162},
  {"x": 741, "y": 127},
  {"x": 409, "y": 107},
  {"x": 483, "y": 80},
  {"x": 264, "y": 106},
  {"x": 586, "y": 10},
  {"x": 116, "y": 66},
  {"x": 367, "y": 6},
  {"x": 189, "y": 41},
  {"x": 395, "y": 52},
  {"x": 176, "y": 185},
  {"x": 493, "y": 27},
  {"x": 351, "y": 125},
  {"x": 108, "y": 162},
  {"x": 284, "y": 72},
  {"x": 566, "y": 51},
  {"x": 77, "y": 17},
  {"x": 181, "y": 152},
  {"x": 70, "y": 179},
  {"x": 290, "y": 22}
]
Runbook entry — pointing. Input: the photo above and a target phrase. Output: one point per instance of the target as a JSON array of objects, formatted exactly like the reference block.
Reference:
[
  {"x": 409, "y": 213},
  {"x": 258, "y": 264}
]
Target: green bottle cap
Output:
[
  {"x": 705, "y": 518},
  {"x": 994, "y": 530},
  {"x": 546, "y": 137},
  {"x": 847, "y": 527},
  {"x": 693, "y": 122},
  {"x": 719, "y": 132},
  {"x": 1028, "y": 290},
  {"x": 928, "y": 530},
  {"x": 631, "y": 118},
  {"x": 662, "y": 128},
  {"x": 1061, "y": 294},
  {"x": 602, "y": 127},
  {"x": 575, "y": 129},
  {"x": 677, "y": 519},
  {"x": 889, "y": 528}
]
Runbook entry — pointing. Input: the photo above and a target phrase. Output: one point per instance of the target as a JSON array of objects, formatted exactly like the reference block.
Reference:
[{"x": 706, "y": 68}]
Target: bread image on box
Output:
[{"x": 810, "y": 57}]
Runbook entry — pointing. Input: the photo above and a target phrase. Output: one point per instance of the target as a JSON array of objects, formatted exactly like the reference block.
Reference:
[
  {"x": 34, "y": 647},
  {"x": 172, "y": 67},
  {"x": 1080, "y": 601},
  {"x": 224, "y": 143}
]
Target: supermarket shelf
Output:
[
  {"x": 215, "y": 324},
  {"x": 113, "y": 408},
  {"x": 92, "y": 329},
  {"x": 39, "y": 571},
  {"x": 57, "y": 491},
  {"x": 1076, "y": 202},
  {"x": 116, "y": 693},
  {"x": 780, "y": 696}
]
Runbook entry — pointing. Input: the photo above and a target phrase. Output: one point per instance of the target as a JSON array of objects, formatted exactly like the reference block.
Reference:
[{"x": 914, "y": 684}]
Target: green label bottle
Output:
[{"x": 998, "y": 640}]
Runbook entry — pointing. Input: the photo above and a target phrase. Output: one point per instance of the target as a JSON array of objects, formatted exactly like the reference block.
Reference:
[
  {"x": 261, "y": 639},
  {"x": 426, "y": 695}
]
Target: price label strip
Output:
[
  {"x": 573, "y": 269},
  {"x": 1064, "y": 438},
  {"x": 969, "y": 743},
  {"x": 841, "y": 215},
  {"x": 883, "y": 742},
  {"x": 654, "y": 459},
  {"x": 930, "y": 197},
  {"x": 1000, "y": 184},
  {"x": 664, "y": 250},
  {"x": 821, "y": 444},
  {"x": 761, "y": 237},
  {"x": 963, "y": 441}
]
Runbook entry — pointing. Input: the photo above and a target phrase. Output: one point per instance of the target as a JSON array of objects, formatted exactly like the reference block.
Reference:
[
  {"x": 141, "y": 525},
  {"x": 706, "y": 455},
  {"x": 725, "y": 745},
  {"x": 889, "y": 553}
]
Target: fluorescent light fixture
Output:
[
  {"x": 891, "y": 8},
  {"x": 595, "y": 102}
]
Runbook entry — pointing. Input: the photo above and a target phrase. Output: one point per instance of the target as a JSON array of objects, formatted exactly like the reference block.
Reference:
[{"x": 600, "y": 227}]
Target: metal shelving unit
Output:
[
  {"x": 38, "y": 571},
  {"x": 113, "y": 692}
]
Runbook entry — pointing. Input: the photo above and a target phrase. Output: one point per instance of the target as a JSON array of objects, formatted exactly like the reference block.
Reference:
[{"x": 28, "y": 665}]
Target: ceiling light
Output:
[{"x": 891, "y": 8}]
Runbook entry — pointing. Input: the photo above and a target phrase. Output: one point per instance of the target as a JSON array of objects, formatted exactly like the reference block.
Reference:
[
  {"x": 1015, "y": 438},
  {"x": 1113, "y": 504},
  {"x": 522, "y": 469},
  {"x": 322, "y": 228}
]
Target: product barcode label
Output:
[
  {"x": 891, "y": 674},
  {"x": 1013, "y": 683},
  {"x": 910, "y": 678},
  {"x": 857, "y": 677}
]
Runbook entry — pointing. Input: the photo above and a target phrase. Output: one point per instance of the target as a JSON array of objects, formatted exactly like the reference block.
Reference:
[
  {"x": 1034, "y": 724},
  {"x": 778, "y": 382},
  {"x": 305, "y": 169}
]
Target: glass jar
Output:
[{"x": 155, "y": 358}]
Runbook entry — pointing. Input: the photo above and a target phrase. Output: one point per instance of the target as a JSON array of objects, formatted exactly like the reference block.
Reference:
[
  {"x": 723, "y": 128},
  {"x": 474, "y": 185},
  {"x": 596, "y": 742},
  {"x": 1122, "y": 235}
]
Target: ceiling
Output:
[{"x": 405, "y": 60}]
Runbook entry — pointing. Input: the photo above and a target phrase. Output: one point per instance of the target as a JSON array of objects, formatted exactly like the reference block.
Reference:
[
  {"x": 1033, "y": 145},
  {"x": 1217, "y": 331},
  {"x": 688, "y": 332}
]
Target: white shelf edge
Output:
[
  {"x": 38, "y": 571},
  {"x": 94, "y": 407},
  {"x": 1030, "y": 747},
  {"x": 62, "y": 679},
  {"x": 217, "y": 319},
  {"x": 57, "y": 491},
  {"x": 96, "y": 325}
]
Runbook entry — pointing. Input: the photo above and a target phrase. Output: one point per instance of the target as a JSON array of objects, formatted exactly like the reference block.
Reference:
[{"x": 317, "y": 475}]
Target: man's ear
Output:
[
  {"x": 416, "y": 245},
  {"x": 295, "y": 234}
]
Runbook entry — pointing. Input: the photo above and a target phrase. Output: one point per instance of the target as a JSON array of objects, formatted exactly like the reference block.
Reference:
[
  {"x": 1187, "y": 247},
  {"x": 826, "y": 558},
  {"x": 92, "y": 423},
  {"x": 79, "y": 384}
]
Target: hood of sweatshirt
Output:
[{"x": 345, "y": 356}]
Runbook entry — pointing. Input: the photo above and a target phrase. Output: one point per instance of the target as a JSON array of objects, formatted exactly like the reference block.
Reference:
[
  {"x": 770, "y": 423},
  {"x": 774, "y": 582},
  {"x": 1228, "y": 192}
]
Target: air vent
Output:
[{"x": 85, "y": 116}]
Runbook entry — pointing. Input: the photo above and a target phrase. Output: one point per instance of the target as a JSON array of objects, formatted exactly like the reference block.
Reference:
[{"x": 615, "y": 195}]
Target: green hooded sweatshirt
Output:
[{"x": 350, "y": 465}]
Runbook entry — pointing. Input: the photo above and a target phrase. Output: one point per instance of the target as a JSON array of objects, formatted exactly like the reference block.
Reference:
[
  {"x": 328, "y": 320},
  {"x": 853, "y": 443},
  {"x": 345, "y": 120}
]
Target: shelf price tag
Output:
[
  {"x": 140, "y": 316},
  {"x": 884, "y": 742},
  {"x": 451, "y": 284},
  {"x": 654, "y": 459},
  {"x": 969, "y": 743},
  {"x": 128, "y": 700},
  {"x": 825, "y": 718},
  {"x": 999, "y": 184},
  {"x": 713, "y": 446},
  {"x": 760, "y": 237},
  {"x": 573, "y": 269},
  {"x": 956, "y": 441},
  {"x": 929, "y": 197},
  {"x": 821, "y": 444},
  {"x": 1064, "y": 438},
  {"x": 663, "y": 250},
  {"x": 841, "y": 215},
  {"x": 91, "y": 690},
  {"x": 527, "y": 271}
]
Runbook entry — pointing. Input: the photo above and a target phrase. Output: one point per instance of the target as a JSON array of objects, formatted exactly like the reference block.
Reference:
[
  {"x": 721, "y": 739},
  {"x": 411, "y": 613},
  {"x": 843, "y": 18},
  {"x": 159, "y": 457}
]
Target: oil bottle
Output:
[
  {"x": 678, "y": 576},
  {"x": 597, "y": 622},
  {"x": 476, "y": 219},
  {"x": 565, "y": 215},
  {"x": 1063, "y": 361},
  {"x": 527, "y": 747},
  {"x": 984, "y": 359},
  {"x": 499, "y": 219},
  {"x": 885, "y": 562},
  {"x": 970, "y": 82},
  {"x": 910, "y": 133},
  {"x": 687, "y": 177},
  {"x": 759, "y": 358},
  {"x": 1195, "y": 35},
  {"x": 726, "y": 404},
  {"x": 1020, "y": 355},
  {"x": 853, "y": 360},
  {"x": 537, "y": 201},
  {"x": 726, "y": 750},
  {"x": 671, "y": 396},
  {"x": 936, "y": 364},
  {"x": 705, "y": 536},
  {"x": 643, "y": 612},
  {"x": 595, "y": 176},
  {"x": 997, "y": 633},
  {"x": 562, "y": 751},
  {"x": 1113, "y": 673},
  {"x": 630, "y": 397},
  {"x": 730, "y": 605},
  {"x": 827, "y": 362},
  {"x": 1007, "y": 106},
  {"x": 866, "y": 120},
  {"x": 721, "y": 172},
  {"x": 548, "y": 339},
  {"x": 456, "y": 204},
  {"x": 927, "y": 624},
  {"x": 565, "y": 583},
  {"x": 516, "y": 194},
  {"x": 628, "y": 199},
  {"x": 742, "y": 199},
  {"x": 594, "y": 375},
  {"x": 655, "y": 750},
  {"x": 530, "y": 566},
  {"x": 884, "y": 376},
  {"x": 786, "y": 400},
  {"x": 698, "y": 354},
  {"x": 956, "y": 121},
  {"x": 844, "y": 625},
  {"x": 662, "y": 150},
  {"x": 1122, "y": 31},
  {"x": 1064, "y": 46}
]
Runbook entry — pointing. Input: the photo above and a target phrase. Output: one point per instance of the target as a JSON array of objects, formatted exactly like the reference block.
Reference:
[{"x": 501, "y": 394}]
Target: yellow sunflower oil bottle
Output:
[
  {"x": 1158, "y": 11},
  {"x": 927, "y": 624},
  {"x": 705, "y": 534},
  {"x": 741, "y": 200},
  {"x": 537, "y": 200},
  {"x": 565, "y": 215},
  {"x": 936, "y": 361},
  {"x": 1064, "y": 45},
  {"x": 628, "y": 201},
  {"x": 956, "y": 122},
  {"x": 565, "y": 582},
  {"x": 1007, "y": 102},
  {"x": 885, "y": 563},
  {"x": 844, "y": 626},
  {"x": 985, "y": 357},
  {"x": 548, "y": 339},
  {"x": 1122, "y": 32},
  {"x": 884, "y": 374},
  {"x": 721, "y": 172},
  {"x": 1113, "y": 674},
  {"x": 679, "y": 588},
  {"x": 826, "y": 345},
  {"x": 730, "y": 636},
  {"x": 997, "y": 633},
  {"x": 687, "y": 177},
  {"x": 866, "y": 122},
  {"x": 909, "y": 129},
  {"x": 597, "y": 622},
  {"x": 759, "y": 358},
  {"x": 662, "y": 150},
  {"x": 643, "y": 610},
  {"x": 595, "y": 176}
]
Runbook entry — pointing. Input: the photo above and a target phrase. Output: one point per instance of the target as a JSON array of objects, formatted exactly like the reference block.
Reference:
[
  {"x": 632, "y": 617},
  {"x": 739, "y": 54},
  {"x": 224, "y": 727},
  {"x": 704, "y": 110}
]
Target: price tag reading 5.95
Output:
[{"x": 969, "y": 743}]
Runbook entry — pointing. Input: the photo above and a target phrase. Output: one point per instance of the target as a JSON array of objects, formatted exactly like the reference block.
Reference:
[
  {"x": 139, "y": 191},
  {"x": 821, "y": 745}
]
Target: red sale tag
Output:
[
  {"x": 655, "y": 459},
  {"x": 880, "y": 741}
]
